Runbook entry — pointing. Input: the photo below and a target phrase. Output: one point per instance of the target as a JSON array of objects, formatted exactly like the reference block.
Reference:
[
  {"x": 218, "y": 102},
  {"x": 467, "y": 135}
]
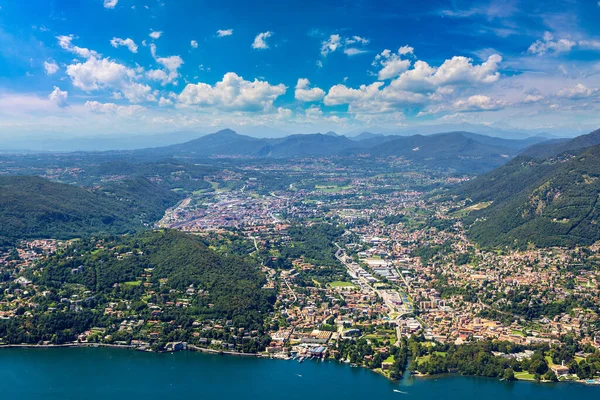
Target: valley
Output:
[{"x": 371, "y": 260}]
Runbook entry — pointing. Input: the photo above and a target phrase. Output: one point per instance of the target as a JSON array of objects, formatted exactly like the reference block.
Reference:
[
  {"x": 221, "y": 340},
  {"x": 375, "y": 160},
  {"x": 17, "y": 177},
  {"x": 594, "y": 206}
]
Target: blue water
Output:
[{"x": 123, "y": 374}]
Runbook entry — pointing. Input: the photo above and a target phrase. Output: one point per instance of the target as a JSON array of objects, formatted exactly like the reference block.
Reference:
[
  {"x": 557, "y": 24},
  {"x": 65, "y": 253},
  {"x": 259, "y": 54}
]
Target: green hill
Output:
[
  {"x": 461, "y": 151},
  {"x": 557, "y": 147},
  {"x": 549, "y": 202},
  {"x": 32, "y": 207},
  {"x": 147, "y": 276},
  {"x": 233, "y": 283}
]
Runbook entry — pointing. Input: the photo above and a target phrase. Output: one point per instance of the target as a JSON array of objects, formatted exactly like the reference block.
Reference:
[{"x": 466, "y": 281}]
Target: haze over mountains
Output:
[
  {"x": 458, "y": 150},
  {"x": 463, "y": 151},
  {"x": 55, "y": 142}
]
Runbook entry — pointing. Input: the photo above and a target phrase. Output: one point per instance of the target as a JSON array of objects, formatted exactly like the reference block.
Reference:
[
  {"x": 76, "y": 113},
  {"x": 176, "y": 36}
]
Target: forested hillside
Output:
[
  {"x": 32, "y": 207},
  {"x": 551, "y": 202},
  {"x": 557, "y": 147},
  {"x": 169, "y": 277},
  {"x": 233, "y": 284}
]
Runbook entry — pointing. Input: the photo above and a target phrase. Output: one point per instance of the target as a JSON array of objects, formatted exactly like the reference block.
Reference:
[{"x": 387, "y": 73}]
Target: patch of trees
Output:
[
  {"x": 546, "y": 203},
  {"x": 171, "y": 260},
  {"x": 32, "y": 207}
]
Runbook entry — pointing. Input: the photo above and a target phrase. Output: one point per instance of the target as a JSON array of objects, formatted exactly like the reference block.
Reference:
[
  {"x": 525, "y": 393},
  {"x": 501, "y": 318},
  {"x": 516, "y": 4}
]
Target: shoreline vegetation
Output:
[
  {"x": 193, "y": 348},
  {"x": 125, "y": 346}
]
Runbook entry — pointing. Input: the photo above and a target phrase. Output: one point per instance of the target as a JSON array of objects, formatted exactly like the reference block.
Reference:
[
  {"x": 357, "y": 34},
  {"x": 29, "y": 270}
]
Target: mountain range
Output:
[{"x": 462, "y": 151}]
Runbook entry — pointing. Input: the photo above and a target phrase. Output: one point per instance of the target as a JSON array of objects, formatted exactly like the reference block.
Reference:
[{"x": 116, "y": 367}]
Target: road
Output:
[{"x": 406, "y": 308}]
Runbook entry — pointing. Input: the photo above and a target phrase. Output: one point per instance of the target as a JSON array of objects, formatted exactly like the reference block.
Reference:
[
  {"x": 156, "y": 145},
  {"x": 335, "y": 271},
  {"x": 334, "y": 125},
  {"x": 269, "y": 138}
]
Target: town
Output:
[{"x": 398, "y": 266}]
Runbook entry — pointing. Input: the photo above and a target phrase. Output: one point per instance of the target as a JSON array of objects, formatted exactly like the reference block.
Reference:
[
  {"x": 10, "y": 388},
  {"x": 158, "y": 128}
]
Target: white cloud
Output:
[
  {"x": 549, "y": 45},
  {"x": 194, "y": 44},
  {"x": 110, "y": 3},
  {"x": 50, "y": 67},
  {"x": 58, "y": 97},
  {"x": 97, "y": 74},
  {"x": 533, "y": 98},
  {"x": 331, "y": 45},
  {"x": 129, "y": 43},
  {"x": 489, "y": 9},
  {"x": 65, "y": 42},
  {"x": 579, "y": 91},
  {"x": 232, "y": 93},
  {"x": 137, "y": 92},
  {"x": 458, "y": 70},
  {"x": 393, "y": 64},
  {"x": 224, "y": 32},
  {"x": 171, "y": 63},
  {"x": 356, "y": 40},
  {"x": 24, "y": 105},
  {"x": 155, "y": 34},
  {"x": 353, "y": 51},
  {"x": 283, "y": 113},
  {"x": 341, "y": 94},
  {"x": 479, "y": 103},
  {"x": 163, "y": 102},
  {"x": 161, "y": 76},
  {"x": 349, "y": 45},
  {"x": 260, "y": 41},
  {"x": 415, "y": 87},
  {"x": 112, "y": 108},
  {"x": 589, "y": 44},
  {"x": 404, "y": 50},
  {"x": 305, "y": 93},
  {"x": 313, "y": 112}
]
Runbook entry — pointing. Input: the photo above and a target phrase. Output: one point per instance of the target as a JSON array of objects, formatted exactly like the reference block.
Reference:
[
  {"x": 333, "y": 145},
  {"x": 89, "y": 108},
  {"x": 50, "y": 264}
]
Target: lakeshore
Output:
[
  {"x": 207, "y": 351},
  {"x": 72, "y": 373}
]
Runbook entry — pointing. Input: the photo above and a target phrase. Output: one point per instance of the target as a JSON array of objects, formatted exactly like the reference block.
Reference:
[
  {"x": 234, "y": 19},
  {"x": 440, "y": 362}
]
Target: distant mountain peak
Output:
[
  {"x": 366, "y": 136},
  {"x": 227, "y": 131}
]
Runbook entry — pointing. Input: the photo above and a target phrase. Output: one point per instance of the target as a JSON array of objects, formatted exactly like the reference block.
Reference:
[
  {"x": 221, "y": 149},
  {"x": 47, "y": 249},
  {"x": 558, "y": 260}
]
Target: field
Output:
[
  {"x": 332, "y": 188},
  {"x": 425, "y": 358},
  {"x": 475, "y": 207},
  {"x": 524, "y": 375},
  {"x": 341, "y": 284}
]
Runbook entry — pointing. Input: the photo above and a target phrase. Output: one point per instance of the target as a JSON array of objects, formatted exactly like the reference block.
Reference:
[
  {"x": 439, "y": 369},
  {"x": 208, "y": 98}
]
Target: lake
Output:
[{"x": 101, "y": 373}]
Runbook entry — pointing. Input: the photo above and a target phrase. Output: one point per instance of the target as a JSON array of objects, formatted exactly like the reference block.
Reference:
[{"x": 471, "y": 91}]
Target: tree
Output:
[
  {"x": 509, "y": 375},
  {"x": 585, "y": 370},
  {"x": 538, "y": 366},
  {"x": 550, "y": 376}
]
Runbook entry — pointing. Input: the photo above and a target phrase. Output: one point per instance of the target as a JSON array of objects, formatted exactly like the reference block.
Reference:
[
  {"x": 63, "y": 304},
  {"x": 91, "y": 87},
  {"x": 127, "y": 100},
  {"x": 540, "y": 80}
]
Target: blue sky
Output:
[{"x": 92, "y": 67}]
